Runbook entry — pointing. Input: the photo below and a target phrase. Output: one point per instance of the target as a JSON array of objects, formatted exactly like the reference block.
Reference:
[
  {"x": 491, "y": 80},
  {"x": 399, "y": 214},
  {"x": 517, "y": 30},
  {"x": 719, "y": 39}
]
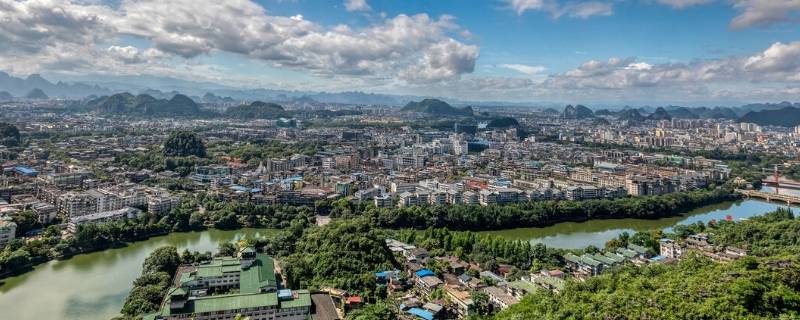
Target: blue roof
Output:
[
  {"x": 424, "y": 273},
  {"x": 26, "y": 170},
  {"x": 424, "y": 314}
]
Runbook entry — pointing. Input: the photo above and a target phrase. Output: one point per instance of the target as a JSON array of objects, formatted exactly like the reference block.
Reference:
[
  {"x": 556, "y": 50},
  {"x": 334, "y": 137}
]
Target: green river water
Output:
[{"x": 94, "y": 286}]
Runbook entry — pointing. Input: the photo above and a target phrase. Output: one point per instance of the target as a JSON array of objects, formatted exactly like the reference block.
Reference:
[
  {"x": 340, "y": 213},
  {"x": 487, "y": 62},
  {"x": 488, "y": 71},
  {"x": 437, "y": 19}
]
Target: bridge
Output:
[{"x": 769, "y": 196}]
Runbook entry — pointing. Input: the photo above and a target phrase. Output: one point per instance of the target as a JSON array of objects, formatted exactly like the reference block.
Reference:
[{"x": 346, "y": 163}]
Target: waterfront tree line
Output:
[
  {"x": 533, "y": 213},
  {"x": 20, "y": 255}
]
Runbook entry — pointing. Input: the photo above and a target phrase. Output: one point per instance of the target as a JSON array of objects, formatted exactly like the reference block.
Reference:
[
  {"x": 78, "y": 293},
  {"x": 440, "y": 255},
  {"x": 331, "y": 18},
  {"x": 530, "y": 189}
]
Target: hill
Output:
[
  {"x": 659, "y": 114},
  {"x": 257, "y": 110},
  {"x": 630, "y": 115},
  {"x": 503, "y": 122},
  {"x": 786, "y": 117},
  {"x": 577, "y": 112},
  {"x": 145, "y": 105},
  {"x": 5, "y": 96},
  {"x": 682, "y": 113},
  {"x": 36, "y": 94},
  {"x": 436, "y": 107}
]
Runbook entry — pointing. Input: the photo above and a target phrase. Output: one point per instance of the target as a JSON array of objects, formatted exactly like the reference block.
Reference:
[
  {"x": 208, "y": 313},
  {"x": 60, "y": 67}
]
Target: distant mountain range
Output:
[
  {"x": 436, "y": 107},
  {"x": 19, "y": 87},
  {"x": 788, "y": 116}
]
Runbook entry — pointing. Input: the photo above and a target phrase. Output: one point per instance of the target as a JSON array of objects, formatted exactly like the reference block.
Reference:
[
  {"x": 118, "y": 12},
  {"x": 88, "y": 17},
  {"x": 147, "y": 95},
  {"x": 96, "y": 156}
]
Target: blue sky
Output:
[{"x": 600, "y": 51}]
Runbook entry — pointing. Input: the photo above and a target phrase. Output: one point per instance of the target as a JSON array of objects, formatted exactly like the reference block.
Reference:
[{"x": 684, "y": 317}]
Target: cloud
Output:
[
  {"x": 356, "y": 5},
  {"x": 778, "y": 63},
  {"x": 764, "y": 12},
  {"x": 420, "y": 47},
  {"x": 585, "y": 9},
  {"x": 526, "y": 69},
  {"x": 574, "y": 9},
  {"x": 680, "y": 4}
]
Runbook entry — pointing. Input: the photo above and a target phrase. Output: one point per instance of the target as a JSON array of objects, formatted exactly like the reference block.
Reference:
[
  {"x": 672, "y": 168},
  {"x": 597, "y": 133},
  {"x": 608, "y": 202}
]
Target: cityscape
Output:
[{"x": 406, "y": 160}]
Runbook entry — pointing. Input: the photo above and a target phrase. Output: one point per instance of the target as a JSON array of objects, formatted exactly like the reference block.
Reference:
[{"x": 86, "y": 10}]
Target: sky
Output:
[{"x": 598, "y": 51}]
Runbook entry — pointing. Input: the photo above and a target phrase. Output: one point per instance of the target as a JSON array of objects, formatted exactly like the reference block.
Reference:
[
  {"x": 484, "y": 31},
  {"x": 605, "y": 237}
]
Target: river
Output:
[
  {"x": 571, "y": 235},
  {"x": 94, "y": 286}
]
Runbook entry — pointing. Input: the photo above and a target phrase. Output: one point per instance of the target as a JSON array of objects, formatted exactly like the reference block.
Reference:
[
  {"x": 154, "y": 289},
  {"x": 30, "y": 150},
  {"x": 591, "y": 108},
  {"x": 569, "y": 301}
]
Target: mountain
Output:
[
  {"x": 212, "y": 98},
  {"x": 258, "y": 110},
  {"x": 436, "y": 107},
  {"x": 659, "y": 114},
  {"x": 601, "y": 122},
  {"x": 503, "y": 122},
  {"x": 551, "y": 111},
  {"x": 5, "y": 96},
  {"x": 577, "y": 112},
  {"x": 630, "y": 115},
  {"x": 786, "y": 117},
  {"x": 145, "y": 105},
  {"x": 603, "y": 112},
  {"x": 20, "y": 87},
  {"x": 682, "y": 113},
  {"x": 717, "y": 113},
  {"x": 36, "y": 94}
]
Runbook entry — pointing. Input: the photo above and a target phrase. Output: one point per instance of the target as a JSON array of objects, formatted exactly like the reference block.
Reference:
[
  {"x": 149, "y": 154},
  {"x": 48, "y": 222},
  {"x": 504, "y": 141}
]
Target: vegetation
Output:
[
  {"x": 9, "y": 135},
  {"x": 785, "y": 117},
  {"x": 436, "y": 107},
  {"x": 484, "y": 249},
  {"x": 157, "y": 270},
  {"x": 184, "y": 144},
  {"x": 531, "y": 214},
  {"x": 145, "y": 105},
  {"x": 258, "y": 110},
  {"x": 577, "y": 112},
  {"x": 761, "y": 286},
  {"x": 342, "y": 254},
  {"x": 380, "y": 310}
]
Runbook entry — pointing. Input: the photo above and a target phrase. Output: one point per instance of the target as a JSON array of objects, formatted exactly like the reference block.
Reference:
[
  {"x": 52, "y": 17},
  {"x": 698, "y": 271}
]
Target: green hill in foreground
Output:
[{"x": 765, "y": 285}]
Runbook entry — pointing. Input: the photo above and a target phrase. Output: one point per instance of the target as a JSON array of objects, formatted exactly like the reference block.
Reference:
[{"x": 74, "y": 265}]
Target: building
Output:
[
  {"x": 102, "y": 217},
  {"x": 8, "y": 231},
  {"x": 251, "y": 288}
]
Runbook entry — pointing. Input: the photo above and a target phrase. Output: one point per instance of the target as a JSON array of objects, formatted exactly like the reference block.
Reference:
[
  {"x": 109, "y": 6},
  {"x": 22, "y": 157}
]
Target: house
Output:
[{"x": 499, "y": 298}]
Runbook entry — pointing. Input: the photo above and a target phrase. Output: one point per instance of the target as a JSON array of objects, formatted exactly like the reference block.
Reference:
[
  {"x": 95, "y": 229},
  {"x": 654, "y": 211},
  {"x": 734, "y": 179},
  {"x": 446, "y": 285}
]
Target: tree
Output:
[
  {"x": 9, "y": 134},
  {"x": 184, "y": 143},
  {"x": 164, "y": 259},
  {"x": 380, "y": 310}
]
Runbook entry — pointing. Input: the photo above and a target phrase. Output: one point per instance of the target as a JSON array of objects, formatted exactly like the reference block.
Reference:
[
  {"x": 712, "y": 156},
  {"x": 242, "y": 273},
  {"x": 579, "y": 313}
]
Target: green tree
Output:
[{"x": 183, "y": 144}]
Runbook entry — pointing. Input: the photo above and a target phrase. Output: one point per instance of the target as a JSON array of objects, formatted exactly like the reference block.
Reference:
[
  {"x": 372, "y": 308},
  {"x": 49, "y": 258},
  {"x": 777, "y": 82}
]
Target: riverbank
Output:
[{"x": 574, "y": 235}]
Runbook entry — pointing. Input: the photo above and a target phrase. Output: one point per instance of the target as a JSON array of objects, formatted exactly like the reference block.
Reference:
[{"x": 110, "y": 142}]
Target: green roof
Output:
[
  {"x": 303, "y": 300},
  {"x": 232, "y": 302},
  {"x": 605, "y": 260},
  {"x": 218, "y": 266},
  {"x": 637, "y": 248},
  {"x": 572, "y": 258},
  {"x": 587, "y": 259},
  {"x": 614, "y": 256},
  {"x": 261, "y": 274},
  {"x": 551, "y": 281},
  {"x": 626, "y": 252}
]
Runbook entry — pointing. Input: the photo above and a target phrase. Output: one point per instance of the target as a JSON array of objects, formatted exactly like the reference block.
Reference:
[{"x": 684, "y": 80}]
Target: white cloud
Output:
[
  {"x": 356, "y": 5},
  {"x": 190, "y": 28},
  {"x": 575, "y": 9},
  {"x": 680, "y": 4},
  {"x": 764, "y": 12},
  {"x": 526, "y": 69},
  {"x": 585, "y": 9}
]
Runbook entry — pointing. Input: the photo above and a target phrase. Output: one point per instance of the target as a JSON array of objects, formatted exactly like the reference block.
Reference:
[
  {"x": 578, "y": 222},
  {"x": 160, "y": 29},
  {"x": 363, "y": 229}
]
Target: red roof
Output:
[{"x": 353, "y": 300}]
